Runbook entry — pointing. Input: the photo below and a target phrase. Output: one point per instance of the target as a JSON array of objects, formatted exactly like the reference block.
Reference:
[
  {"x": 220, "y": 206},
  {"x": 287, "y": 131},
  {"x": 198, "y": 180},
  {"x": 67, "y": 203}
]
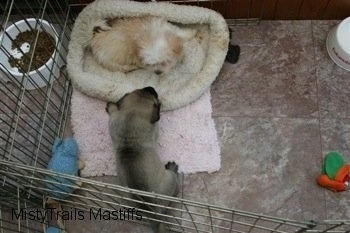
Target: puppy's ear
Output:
[
  {"x": 110, "y": 21},
  {"x": 155, "y": 113},
  {"x": 110, "y": 107},
  {"x": 151, "y": 91},
  {"x": 100, "y": 26},
  {"x": 119, "y": 102},
  {"x": 107, "y": 106}
]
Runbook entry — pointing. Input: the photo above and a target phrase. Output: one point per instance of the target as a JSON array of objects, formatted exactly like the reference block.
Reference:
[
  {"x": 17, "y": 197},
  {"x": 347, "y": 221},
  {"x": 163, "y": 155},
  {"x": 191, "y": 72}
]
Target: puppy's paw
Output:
[
  {"x": 172, "y": 166},
  {"x": 81, "y": 164}
]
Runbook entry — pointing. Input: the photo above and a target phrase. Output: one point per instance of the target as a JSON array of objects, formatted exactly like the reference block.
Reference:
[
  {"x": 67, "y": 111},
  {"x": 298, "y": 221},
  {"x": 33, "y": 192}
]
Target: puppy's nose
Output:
[{"x": 158, "y": 72}]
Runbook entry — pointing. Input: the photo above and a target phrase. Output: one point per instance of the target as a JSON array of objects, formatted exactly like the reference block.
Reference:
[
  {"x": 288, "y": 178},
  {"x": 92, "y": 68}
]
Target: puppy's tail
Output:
[{"x": 186, "y": 33}]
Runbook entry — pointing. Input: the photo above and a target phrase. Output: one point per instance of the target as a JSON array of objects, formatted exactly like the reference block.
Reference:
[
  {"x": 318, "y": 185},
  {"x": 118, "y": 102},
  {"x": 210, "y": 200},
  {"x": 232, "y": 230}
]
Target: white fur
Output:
[
  {"x": 156, "y": 52},
  {"x": 133, "y": 43}
]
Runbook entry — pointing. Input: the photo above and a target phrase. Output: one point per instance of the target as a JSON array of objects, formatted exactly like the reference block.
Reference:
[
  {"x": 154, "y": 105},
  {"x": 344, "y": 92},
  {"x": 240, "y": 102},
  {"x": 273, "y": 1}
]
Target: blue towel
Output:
[
  {"x": 53, "y": 230},
  {"x": 64, "y": 160}
]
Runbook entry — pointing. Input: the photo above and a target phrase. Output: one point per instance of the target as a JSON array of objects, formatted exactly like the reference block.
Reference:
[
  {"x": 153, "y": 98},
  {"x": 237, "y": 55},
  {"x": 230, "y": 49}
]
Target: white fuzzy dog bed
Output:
[{"x": 204, "y": 54}]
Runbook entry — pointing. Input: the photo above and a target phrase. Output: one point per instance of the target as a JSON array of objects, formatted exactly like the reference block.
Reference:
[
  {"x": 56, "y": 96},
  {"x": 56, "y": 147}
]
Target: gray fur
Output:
[{"x": 132, "y": 126}]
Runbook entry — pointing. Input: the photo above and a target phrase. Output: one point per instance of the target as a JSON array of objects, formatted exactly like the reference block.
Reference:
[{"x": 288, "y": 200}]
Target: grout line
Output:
[
  {"x": 317, "y": 84},
  {"x": 318, "y": 107}
]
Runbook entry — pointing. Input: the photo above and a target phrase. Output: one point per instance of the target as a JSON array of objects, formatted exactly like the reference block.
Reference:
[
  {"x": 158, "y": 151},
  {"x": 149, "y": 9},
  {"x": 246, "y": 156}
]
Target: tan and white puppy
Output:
[
  {"x": 147, "y": 42},
  {"x": 132, "y": 126}
]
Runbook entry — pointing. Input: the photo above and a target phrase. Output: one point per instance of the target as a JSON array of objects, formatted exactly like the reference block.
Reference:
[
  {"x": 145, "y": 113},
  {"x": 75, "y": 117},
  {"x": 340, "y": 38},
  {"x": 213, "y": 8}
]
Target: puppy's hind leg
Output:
[
  {"x": 172, "y": 166},
  {"x": 160, "y": 227}
]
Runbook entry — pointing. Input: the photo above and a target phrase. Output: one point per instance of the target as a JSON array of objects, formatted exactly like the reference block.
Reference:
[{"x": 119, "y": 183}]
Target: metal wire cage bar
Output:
[{"x": 95, "y": 198}]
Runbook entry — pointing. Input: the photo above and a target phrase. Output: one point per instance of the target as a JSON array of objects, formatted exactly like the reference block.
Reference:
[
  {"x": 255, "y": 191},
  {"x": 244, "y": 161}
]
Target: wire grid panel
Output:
[
  {"x": 34, "y": 101},
  {"x": 99, "y": 199},
  {"x": 32, "y": 119}
]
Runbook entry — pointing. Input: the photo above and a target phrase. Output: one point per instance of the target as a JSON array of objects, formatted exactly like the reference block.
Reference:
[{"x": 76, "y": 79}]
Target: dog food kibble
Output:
[{"x": 24, "y": 45}]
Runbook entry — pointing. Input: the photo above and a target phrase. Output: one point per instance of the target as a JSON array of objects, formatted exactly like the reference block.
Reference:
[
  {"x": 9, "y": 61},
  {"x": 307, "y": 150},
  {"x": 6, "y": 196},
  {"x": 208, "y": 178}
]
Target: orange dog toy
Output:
[{"x": 335, "y": 173}]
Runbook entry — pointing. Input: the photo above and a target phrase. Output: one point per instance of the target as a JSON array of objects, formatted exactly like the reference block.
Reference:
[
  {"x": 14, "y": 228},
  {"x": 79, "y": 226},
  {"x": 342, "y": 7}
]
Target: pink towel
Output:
[{"x": 186, "y": 136}]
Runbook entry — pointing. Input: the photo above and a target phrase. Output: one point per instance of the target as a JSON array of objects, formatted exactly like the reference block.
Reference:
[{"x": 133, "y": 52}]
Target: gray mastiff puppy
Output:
[{"x": 132, "y": 126}]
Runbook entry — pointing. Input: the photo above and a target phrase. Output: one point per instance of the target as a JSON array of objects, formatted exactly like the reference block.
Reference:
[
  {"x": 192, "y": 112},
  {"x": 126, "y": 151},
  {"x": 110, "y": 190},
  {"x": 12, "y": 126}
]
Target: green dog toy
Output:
[{"x": 335, "y": 173}]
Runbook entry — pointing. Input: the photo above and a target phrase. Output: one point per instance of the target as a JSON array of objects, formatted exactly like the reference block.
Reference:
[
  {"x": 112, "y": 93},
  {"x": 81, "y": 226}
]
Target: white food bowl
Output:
[
  {"x": 35, "y": 78},
  {"x": 338, "y": 44}
]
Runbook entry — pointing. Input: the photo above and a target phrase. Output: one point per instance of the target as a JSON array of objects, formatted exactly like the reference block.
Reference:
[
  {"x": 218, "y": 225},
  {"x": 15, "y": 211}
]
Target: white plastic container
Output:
[
  {"x": 338, "y": 44},
  {"x": 42, "y": 75}
]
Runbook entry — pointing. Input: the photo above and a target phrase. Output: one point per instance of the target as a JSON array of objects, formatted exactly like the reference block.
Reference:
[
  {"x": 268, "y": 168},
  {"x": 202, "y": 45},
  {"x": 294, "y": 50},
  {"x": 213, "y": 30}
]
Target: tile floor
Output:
[{"x": 278, "y": 111}]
